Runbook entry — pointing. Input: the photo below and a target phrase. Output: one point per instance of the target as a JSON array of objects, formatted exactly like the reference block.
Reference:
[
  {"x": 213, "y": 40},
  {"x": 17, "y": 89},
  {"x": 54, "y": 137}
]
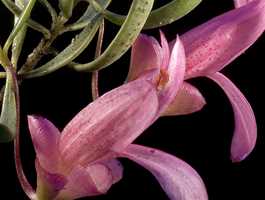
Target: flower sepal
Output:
[{"x": 48, "y": 184}]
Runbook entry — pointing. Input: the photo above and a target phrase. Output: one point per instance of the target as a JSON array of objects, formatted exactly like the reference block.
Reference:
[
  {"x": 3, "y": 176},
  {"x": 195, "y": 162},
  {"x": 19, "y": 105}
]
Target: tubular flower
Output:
[
  {"x": 209, "y": 48},
  {"x": 81, "y": 160}
]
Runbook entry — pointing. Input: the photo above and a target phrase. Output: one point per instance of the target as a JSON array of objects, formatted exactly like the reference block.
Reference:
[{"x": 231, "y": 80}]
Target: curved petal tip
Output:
[
  {"x": 245, "y": 133},
  {"x": 45, "y": 137},
  {"x": 177, "y": 178}
]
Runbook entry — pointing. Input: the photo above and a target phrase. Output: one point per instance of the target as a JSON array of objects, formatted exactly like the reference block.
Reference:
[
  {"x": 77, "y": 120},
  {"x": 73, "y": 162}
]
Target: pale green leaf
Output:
[
  {"x": 164, "y": 15},
  {"x": 20, "y": 24},
  {"x": 77, "y": 46},
  {"x": 31, "y": 23},
  {"x": 135, "y": 20},
  {"x": 10, "y": 108},
  {"x": 20, "y": 37},
  {"x": 66, "y": 7},
  {"x": 85, "y": 19}
]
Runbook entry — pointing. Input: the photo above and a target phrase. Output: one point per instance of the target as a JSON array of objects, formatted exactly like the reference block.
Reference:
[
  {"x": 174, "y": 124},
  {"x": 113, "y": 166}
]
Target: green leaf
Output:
[
  {"x": 4, "y": 61},
  {"x": 85, "y": 19},
  {"x": 135, "y": 20},
  {"x": 77, "y": 46},
  {"x": 20, "y": 23},
  {"x": 11, "y": 6},
  {"x": 17, "y": 45},
  {"x": 10, "y": 108},
  {"x": 20, "y": 37},
  {"x": 66, "y": 7},
  {"x": 164, "y": 15}
]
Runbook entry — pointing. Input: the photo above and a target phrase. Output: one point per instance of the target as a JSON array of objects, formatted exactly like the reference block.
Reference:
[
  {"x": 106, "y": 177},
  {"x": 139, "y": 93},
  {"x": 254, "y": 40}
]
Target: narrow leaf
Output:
[
  {"x": 66, "y": 7},
  {"x": 20, "y": 24},
  {"x": 17, "y": 45},
  {"x": 19, "y": 39},
  {"x": 126, "y": 36},
  {"x": 12, "y": 7},
  {"x": 85, "y": 19},
  {"x": 164, "y": 15},
  {"x": 10, "y": 107},
  {"x": 76, "y": 47},
  {"x": 121, "y": 43}
]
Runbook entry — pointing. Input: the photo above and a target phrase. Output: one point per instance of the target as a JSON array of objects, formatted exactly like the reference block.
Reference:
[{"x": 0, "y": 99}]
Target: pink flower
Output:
[
  {"x": 209, "y": 48},
  {"x": 239, "y": 3},
  {"x": 81, "y": 160}
]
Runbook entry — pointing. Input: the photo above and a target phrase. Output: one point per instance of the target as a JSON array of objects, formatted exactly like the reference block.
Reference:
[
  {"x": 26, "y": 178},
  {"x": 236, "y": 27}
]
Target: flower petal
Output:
[
  {"x": 177, "y": 178},
  {"x": 116, "y": 169},
  {"x": 239, "y": 3},
  {"x": 45, "y": 137},
  {"x": 48, "y": 184},
  {"x": 188, "y": 100},
  {"x": 165, "y": 51},
  {"x": 245, "y": 133},
  {"x": 146, "y": 54},
  {"x": 112, "y": 121},
  {"x": 90, "y": 181},
  {"x": 213, "y": 45},
  {"x": 176, "y": 71}
]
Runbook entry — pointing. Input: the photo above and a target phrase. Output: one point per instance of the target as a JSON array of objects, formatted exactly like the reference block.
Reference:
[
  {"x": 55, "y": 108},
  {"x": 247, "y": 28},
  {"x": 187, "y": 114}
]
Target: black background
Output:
[{"x": 202, "y": 139}]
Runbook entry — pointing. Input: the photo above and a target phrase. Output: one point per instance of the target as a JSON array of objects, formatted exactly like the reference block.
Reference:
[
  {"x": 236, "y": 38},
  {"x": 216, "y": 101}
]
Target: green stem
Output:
[
  {"x": 51, "y": 10},
  {"x": 43, "y": 46}
]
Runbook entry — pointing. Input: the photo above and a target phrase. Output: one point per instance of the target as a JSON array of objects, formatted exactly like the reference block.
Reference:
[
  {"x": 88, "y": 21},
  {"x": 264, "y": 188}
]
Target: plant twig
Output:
[
  {"x": 94, "y": 81},
  {"x": 43, "y": 47},
  {"x": 20, "y": 173}
]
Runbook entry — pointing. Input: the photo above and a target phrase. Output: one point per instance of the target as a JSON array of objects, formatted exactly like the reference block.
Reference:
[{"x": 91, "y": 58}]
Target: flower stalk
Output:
[{"x": 95, "y": 74}]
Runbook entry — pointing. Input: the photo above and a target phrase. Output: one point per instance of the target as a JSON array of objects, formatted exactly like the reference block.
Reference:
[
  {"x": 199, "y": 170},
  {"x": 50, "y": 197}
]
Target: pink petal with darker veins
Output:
[
  {"x": 45, "y": 137},
  {"x": 179, "y": 180},
  {"x": 175, "y": 73},
  {"x": 245, "y": 134},
  {"x": 188, "y": 100},
  {"x": 111, "y": 122},
  {"x": 213, "y": 45},
  {"x": 146, "y": 54}
]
